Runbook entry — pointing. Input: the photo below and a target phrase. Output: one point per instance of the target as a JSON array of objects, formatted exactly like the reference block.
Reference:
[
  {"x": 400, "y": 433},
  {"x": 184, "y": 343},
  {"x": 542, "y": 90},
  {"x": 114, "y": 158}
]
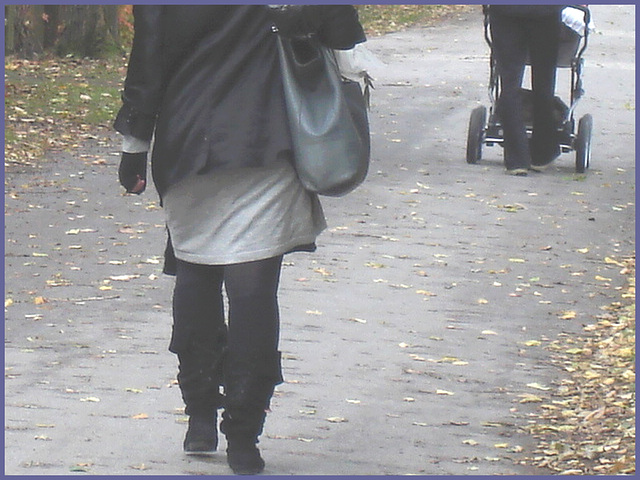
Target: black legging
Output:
[{"x": 201, "y": 338}]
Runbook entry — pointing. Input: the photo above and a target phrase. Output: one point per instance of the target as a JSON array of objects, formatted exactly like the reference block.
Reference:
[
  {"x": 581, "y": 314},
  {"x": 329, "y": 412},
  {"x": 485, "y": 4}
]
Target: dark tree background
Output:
[{"x": 83, "y": 30}]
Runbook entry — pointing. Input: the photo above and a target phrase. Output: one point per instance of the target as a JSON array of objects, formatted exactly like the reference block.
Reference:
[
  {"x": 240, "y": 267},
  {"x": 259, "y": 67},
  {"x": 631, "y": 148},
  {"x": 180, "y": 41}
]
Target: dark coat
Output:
[{"x": 206, "y": 80}]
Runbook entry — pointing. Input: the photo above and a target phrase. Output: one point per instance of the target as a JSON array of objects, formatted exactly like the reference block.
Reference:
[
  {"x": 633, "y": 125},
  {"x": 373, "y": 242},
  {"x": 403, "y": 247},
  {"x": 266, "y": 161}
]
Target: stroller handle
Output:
[{"x": 587, "y": 20}]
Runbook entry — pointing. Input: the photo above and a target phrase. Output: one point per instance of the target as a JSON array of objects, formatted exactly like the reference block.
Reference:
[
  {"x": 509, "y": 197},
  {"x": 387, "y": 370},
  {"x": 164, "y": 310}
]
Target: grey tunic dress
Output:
[{"x": 266, "y": 213}]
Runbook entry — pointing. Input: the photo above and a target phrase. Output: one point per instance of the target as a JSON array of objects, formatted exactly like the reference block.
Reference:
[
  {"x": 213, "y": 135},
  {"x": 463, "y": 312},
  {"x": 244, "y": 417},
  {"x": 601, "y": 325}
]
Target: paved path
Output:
[{"x": 405, "y": 335}]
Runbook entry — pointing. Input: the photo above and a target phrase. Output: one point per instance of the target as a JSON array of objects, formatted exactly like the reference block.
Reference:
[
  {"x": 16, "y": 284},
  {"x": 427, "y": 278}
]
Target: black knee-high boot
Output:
[
  {"x": 200, "y": 377},
  {"x": 249, "y": 385}
]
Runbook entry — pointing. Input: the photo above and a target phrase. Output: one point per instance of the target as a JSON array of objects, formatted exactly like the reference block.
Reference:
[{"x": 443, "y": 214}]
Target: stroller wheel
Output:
[
  {"x": 583, "y": 143},
  {"x": 475, "y": 136}
]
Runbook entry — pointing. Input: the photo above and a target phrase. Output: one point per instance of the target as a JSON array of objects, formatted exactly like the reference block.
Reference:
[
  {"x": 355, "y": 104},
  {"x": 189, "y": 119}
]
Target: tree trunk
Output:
[
  {"x": 24, "y": 30},
  {"x": 88, "y": 30},
  {"x": 10, "y": 15},
  {"x": 51, "y": 25}
]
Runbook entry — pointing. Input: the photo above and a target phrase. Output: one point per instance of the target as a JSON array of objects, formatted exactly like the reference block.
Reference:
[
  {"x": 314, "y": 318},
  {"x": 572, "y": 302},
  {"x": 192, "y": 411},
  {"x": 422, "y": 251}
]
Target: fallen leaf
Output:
[
  {"x": 488, "y": 332},
  {"x": 123, "y": 278},
  {"x": 529, "y": 398},
  {"x": 444, "y": 392},
  {"x": 425, "y": 293},
  {"x": 357, "y": 320},
  {"x": 337, "y": 420},
  {"x": 537, "y": 386}
]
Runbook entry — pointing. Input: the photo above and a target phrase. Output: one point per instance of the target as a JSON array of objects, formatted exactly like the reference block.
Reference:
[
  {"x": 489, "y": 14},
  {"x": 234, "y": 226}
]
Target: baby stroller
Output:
[{"x": 482, "y": 132}]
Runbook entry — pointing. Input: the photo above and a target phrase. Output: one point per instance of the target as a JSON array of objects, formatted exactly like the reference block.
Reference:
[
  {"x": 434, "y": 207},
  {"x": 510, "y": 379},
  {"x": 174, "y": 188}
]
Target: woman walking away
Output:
[{"x": 204, "y": 81}]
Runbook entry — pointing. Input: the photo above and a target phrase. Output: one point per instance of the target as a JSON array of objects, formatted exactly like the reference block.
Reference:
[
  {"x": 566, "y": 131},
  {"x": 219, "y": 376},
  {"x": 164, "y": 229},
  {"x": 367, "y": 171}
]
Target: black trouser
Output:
[
  {"x": 512, "y": 38},
  {"x": 211, "y": 354}
]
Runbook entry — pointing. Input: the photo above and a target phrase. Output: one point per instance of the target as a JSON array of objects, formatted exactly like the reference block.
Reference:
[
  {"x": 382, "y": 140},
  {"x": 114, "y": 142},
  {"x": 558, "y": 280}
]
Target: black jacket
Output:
[{"x": 206, "y": 80}]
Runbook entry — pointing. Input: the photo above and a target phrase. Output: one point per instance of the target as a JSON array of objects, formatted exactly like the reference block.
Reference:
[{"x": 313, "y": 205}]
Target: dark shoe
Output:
[
  {"x": 541, "y": 163},
  {"x": 202, "y": 435},
  {"x": 518, "y": 172},
  {"x": 244, "y": 457}
]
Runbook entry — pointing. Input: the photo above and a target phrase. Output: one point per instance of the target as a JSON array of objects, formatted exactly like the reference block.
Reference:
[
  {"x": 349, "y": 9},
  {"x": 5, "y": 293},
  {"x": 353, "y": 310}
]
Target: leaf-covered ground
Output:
[
  {"x": 381, "y": 19},
  {"x": 586, "y": 425},
  {"x": 56, "y": 103}
]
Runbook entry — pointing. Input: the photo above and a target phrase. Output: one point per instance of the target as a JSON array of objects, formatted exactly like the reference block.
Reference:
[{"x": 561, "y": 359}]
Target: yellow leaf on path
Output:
[
  {"x": 39, "y": 300},
  {"x": 537, "y": 386},
  {"x": 470, "y": 442},
  {"x": 602, "y": 279},
  {"x": 488, "y": 332},
  {"x": 444, "y": 392},
  {"x": 625, "y": 352},
  {"x": 90, "y": 399},
  {"x": 8, "y": 302},
  {"x": 517, "y": 260},
  {"x": 140, "y": 416},
  {"x": 610, "y": 260},
  {"x": 567, "y": 315},
  {"x": 582, "y": 250},
  {"x": 501, "y": 445},
  {"x": 425, "y": 293},
  {"x": 528, "y": 398},
  {"x": 483, "y": 301},
  {"x": 337, "y": 420},
  {"x": 357, "y": 320},
  {"x": 123, "y": 278},
  {"x": 533, "y": 343}
]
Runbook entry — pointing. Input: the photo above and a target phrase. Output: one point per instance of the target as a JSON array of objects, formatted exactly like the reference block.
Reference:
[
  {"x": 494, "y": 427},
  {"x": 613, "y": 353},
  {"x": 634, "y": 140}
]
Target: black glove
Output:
[{"x": 132, "y": 172}]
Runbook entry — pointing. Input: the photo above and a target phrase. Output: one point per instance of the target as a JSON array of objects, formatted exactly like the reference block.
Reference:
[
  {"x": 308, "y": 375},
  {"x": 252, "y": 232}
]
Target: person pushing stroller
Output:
[{"x": 518, "y": 30}]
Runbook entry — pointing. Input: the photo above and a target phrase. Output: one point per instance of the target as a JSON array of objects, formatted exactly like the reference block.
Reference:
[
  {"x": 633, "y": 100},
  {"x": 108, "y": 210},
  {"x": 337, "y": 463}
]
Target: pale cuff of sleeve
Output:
[{"x": 134, "y": 145}]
